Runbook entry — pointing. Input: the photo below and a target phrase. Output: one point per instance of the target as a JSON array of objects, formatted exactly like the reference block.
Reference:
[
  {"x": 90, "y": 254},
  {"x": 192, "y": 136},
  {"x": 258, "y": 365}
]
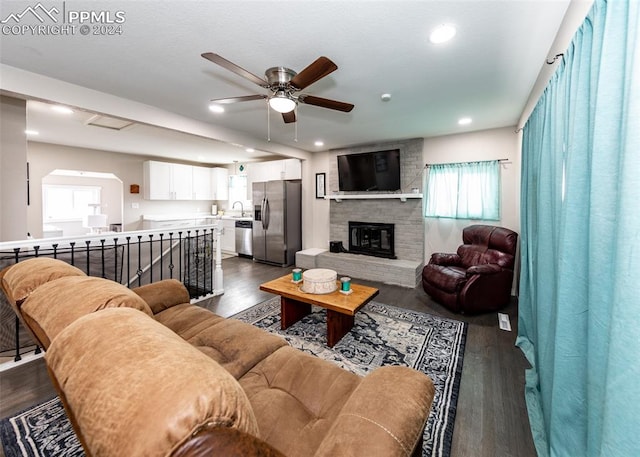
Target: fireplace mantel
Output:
[{"x": 401, "y": 197}]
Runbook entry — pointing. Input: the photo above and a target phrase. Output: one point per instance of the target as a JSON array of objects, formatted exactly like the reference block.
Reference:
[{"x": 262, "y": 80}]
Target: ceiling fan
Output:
[{"x": 283, "y": 84}]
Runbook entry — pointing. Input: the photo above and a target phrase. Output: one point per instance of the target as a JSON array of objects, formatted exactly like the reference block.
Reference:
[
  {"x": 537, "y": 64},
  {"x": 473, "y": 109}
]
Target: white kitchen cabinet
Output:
[
  {"x": 228, "y": 238},
  {"x": 167, "y": 181},
  {"x": 219, "y": 183},
  {"x": 273, "y": 170},
  {"x": 201, "y": 185},
  {"x": 291, "y": 169}
]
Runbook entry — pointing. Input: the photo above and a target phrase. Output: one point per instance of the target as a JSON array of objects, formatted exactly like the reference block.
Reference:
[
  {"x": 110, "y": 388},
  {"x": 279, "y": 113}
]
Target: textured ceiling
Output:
[{"x": 486, "y": 72}]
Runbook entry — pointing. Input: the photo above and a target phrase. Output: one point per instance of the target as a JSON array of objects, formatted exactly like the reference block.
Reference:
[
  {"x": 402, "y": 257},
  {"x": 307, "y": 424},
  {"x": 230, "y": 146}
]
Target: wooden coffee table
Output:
[{"x": 341, "y": 308}]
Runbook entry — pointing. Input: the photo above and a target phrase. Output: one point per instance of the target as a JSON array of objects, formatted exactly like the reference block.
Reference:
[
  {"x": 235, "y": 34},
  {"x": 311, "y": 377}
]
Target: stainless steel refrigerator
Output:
[{"x": 277, "y": 223}]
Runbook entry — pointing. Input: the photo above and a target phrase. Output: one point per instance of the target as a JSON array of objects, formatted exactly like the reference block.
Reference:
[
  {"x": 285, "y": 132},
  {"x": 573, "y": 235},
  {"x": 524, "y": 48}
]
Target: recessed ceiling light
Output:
[
  {"x": 442, "y": 33},
  {"x": 464, "y": 121},
  {"x": 214, "y": 107},
  {"x": 62, "y": 109},
  {"x": 32, "y": 132},
  {"x": 250, "y": 150},
  {"x": 319, "y": 143}
]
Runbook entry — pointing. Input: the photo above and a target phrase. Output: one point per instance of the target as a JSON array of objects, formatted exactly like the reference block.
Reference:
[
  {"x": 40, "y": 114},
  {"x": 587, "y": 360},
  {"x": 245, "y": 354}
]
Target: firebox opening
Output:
[{"x": 371, "y": 238}]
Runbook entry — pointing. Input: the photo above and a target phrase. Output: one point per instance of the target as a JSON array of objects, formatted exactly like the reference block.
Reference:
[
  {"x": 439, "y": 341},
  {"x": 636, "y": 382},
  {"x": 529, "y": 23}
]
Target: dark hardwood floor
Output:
[{"x": 491, "y": 418}]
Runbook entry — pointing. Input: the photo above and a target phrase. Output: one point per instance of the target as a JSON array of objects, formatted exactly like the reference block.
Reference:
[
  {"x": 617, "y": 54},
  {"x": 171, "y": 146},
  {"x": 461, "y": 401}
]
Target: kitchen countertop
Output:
[{"x": 182, "y": 217}]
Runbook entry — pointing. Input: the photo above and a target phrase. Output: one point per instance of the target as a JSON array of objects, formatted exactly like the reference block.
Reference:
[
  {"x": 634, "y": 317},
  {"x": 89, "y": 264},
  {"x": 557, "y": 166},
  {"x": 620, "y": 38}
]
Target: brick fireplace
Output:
[
  {"x": 371, "y": 238},
  {"x": 406, "y": 216}
]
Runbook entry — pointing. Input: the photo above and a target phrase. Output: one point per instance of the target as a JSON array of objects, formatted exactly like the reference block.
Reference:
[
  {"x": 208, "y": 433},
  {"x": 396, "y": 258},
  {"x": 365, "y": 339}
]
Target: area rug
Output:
[{"x": 382, "y": 335}]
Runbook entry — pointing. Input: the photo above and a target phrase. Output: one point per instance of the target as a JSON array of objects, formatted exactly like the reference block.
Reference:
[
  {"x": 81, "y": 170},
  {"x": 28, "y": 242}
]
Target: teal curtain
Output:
[
  {"x": 579, "y": 309},
  {"x": 469, "y": 190}
]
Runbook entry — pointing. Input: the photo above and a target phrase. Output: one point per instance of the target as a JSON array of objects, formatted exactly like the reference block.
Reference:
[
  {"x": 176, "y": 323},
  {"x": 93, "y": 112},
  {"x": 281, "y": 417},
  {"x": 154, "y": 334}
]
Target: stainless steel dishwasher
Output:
[{"x": 244, "y": 238}]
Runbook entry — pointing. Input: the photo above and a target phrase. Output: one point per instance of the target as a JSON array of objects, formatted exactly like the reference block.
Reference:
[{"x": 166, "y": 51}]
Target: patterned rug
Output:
[{"x": 382, "y": 335}]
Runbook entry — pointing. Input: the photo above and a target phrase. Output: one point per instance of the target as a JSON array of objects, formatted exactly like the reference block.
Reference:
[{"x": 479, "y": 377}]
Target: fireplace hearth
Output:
[{"x": 371, "y": 238}]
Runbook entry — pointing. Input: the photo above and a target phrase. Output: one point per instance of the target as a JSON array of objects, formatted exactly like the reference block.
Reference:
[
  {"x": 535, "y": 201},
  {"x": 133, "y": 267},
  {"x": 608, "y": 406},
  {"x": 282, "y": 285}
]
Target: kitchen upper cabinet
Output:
[
  {"x": 174, "y": 181},
  {"x": 201, "y": 184},
  {"x": 291, "y": 169},
  {"x": 219, "y": 183},
  {"x": 273, "y": 170},
  {"x": 167, "y": 181}
]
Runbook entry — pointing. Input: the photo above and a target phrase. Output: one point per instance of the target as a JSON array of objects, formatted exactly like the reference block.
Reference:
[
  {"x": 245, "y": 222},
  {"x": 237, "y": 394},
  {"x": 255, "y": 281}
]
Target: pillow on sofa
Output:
[
  {"x": 134, "y": 387},
  {"x": 56, "y": 304},
  {"x": 21, "y": 279},
  {"x": 163, "y": 294}
]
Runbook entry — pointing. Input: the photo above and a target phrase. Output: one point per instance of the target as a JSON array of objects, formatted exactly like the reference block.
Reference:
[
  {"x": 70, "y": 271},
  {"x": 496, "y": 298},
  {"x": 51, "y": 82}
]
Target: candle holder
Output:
[
  {"x": 345, "y": 285},
  {"x": 296, "y": 275}
]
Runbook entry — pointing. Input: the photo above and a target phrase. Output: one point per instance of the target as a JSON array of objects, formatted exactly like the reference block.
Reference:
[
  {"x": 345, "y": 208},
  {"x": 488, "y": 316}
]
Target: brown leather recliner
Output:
[{"x": 478, "y": 277}]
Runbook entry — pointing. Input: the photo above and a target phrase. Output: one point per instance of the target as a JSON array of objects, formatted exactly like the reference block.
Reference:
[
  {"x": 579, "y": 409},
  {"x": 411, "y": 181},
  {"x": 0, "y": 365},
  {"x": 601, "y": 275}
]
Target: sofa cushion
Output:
[
  {"x": 187, "y": 320},
  {"x": 56, "y": 304},
  {"x": 235, "y": 345},
  {"x": 163, "y": 294},
  {"x": 140, "y": 389},
  {"x": 21, "y": 279},
  {"x": 392, "y": 404},
  {"x": 312, "y": 391}
]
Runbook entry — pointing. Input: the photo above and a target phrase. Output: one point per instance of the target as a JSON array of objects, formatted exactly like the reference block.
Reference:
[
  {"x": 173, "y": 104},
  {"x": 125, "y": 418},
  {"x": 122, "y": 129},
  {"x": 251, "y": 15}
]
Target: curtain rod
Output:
[{"x": 473, "y": 161}]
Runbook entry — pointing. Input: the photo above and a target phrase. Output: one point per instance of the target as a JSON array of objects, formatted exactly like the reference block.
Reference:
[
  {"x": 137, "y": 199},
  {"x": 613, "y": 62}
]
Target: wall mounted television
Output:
[{"x": 369, "y": 171}]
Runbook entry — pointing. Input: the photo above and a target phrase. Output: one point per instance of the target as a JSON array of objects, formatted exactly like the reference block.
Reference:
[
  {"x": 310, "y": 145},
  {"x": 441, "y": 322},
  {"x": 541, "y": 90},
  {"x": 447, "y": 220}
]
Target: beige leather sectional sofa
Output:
[{"x": 144, "y": 372}]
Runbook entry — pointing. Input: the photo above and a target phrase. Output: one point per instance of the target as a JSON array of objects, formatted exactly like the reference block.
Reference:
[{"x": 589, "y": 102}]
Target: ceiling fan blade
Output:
[
  {"x": 219, "y": 60},
  {"x": 317, "y": 70},
  {"x": 325, "y": 103},
  {"x": 244, "y": 98},
  {"x": 289, "y": 117}
]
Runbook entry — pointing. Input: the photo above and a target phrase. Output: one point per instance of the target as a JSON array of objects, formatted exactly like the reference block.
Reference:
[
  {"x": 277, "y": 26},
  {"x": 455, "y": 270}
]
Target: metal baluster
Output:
[
  {"x": 128, "y": 261},
  {"x": 102, "y": 255},
  {"x": 73, "y": 253},
  {"x": 180, "y": 256},
  {"x": 171, "y": 255},
  {"x": 150, "y": 258},
  {"x": 88, "y": 242},
  {"x": 55, "y": 250},
  {"x": 17, "y": 329},
  {"x": 17, "y": 326},
  {"x": 115, "y": 265},
  {"x": 196, "y": 260},
  {"x": 139, "y": 270},
  {"x": 161, "y": 257},
  {"x": 186, "y": 272}
]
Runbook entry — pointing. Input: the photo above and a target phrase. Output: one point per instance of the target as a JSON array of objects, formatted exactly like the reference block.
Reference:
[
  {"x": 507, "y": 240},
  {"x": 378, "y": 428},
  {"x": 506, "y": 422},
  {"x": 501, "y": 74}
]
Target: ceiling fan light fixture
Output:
[
  {"x": 281, "y": 103},
  {"x": 216, "y": 108}
]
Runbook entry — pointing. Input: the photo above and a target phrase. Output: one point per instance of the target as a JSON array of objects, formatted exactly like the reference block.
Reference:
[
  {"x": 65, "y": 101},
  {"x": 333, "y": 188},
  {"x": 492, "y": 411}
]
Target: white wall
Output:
[
  {"x": 445, "y": 235},
  {"x": 441, "y": 235},
  {"x": 315, "y": 228},
  {"x": 13, "y": 169},
  {"x": 44, "y": 158},
  {"x": 111, "y": 193}
]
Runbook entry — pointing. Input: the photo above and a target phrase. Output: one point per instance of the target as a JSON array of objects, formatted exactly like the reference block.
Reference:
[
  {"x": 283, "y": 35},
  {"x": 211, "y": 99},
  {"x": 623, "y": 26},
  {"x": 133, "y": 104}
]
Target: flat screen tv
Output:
[{"x": 369, "y": 171}]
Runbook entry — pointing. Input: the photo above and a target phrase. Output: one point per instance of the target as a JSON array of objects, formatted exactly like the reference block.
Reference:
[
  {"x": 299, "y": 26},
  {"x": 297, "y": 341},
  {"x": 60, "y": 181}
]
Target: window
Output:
[
  {"x": 238, "y": 189},
  {"x": 464, "y": 190},
  {"x": 68, "y": 203}
]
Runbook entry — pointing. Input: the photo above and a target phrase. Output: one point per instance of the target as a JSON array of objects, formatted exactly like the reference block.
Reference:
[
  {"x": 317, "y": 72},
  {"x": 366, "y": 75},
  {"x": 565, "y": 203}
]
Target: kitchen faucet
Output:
[{"x": 241, "y": 207}]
